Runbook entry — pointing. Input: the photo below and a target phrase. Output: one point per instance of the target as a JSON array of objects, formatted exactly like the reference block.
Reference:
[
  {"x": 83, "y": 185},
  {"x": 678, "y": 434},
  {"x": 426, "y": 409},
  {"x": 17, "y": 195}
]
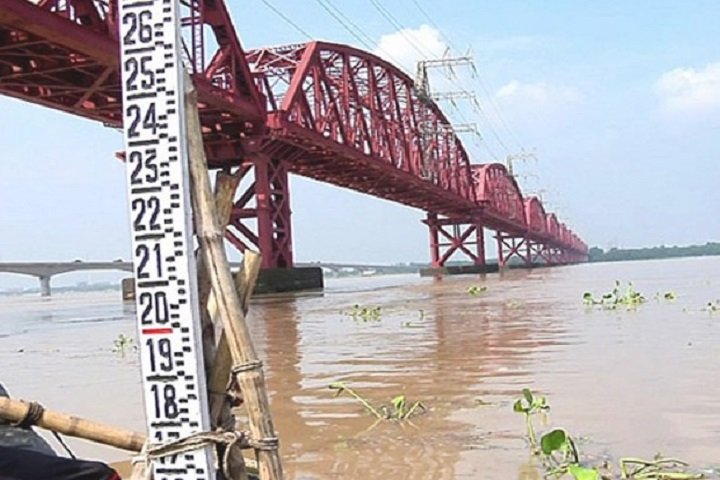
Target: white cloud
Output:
[
  {"x": 537, "y": 109},
  {"x": 537, "y": 94},
  {"x": 404, "y": 47},
  {"x": 687, "y": 91}
]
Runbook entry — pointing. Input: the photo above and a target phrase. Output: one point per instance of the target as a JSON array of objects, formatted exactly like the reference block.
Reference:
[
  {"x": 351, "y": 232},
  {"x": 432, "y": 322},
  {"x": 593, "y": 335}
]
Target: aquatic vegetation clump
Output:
[
  {"x": 365, "y": 314},
  {"x": 712, "y": 307},
  {"x": 530, "y": 405},
  {"x": 399, "y": 408},
  {"x": 659, "y": 468},
  {"x": 630, "y": 298},
  {"x": 476, "y": 290},
  {"x": 122, "y": 344},
  {"x": 668, "y": 296},
  {"x": 411, "y": 323},
  {"x": 560, "y": 458}
]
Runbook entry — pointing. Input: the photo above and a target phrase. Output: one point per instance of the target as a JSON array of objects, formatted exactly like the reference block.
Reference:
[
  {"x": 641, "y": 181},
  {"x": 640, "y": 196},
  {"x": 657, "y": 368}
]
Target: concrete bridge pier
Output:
[{"x": 44, "y": 285}]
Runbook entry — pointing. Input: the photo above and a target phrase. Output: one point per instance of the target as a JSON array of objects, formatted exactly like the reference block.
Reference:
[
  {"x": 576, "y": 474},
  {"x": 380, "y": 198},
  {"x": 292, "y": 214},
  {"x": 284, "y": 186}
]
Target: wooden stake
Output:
[
  {"x": 220, "y": 408},
  {"x": 141, "y": 471},
  {"x": 220, "y": 373},
  {"x": 250, "y": 376},
  {"x": 15, "y": 411},
  {"x": 225, "y": 187}
]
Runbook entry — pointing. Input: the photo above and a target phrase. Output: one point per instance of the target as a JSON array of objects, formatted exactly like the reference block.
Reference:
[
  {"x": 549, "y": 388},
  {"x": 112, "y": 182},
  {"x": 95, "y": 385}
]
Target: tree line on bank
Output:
[{"x": 597, "y": 254}]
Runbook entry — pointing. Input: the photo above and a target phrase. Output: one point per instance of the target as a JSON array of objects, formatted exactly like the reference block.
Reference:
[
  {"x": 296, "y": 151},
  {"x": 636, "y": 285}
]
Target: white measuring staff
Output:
[{"x": 160, "y": 212}]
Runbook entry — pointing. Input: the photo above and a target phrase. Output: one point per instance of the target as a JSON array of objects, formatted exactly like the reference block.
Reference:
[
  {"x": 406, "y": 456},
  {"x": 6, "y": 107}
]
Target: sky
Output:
[{"x": 618, "y": 102}]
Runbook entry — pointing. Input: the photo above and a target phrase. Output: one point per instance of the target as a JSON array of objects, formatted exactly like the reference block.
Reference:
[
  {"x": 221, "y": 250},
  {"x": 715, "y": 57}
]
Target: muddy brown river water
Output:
[{"x": 624, "y": 382}]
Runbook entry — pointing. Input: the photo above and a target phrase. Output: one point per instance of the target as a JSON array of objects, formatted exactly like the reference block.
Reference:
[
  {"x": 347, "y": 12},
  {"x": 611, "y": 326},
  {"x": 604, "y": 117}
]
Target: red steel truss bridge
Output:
[{"x": 321, "y": 110}]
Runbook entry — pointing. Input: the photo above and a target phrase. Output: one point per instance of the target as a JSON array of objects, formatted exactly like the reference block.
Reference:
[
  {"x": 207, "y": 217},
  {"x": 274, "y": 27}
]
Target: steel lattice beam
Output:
[{"x": 326, "y": 111}]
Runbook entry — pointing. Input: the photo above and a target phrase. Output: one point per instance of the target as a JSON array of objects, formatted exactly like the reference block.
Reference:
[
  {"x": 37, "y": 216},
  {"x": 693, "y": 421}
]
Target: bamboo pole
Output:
[
  {"x": 225, "y": 187},
  {"x": 220, "y": 408},
  {"x": 251, "y": 378},
  {"x": 220, "y": 372},
  {"x": 16, "y": 410},
  {"x": 141, "y": 471}
]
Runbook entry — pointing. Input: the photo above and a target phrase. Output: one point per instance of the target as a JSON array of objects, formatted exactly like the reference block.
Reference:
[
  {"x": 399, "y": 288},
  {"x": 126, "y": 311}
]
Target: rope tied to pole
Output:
[
  {"x": 228, "y": 439},
  {"x": 267, "y": 443},
  {"x": 247, "y": 367},
  {"x": 32, "y": 416}
]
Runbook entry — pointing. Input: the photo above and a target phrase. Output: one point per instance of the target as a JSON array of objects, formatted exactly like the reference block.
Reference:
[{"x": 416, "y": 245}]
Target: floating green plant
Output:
[
  {"x": 630, "y": 298},
  {"x": 398, "y": 409},
  {"x": 411, "y": 323},
  {"x": 712, "y": 307},
  {"x": 560, "y": 457},
  {"x": 530, "y": 405},
  {"x": 476, "y": 290},
  {"x": 122, "y": 344},
  {"x": 659, "y": 468},
  {"x": 365, "y": 314},
  {"x": 667, "y": 296},
  {"x": 401, "y": 408}
]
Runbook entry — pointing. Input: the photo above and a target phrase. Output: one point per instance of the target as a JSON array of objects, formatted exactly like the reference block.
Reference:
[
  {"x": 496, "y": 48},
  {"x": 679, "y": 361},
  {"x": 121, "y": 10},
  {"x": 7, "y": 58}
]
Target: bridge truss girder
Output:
[
  {"x": 325, "y": 111},
  {"x": 63, "y": 54}
]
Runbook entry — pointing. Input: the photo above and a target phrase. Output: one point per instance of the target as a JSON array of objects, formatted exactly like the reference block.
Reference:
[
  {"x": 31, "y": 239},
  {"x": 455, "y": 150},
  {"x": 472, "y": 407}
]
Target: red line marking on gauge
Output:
[{"x": 156, "y": 331}]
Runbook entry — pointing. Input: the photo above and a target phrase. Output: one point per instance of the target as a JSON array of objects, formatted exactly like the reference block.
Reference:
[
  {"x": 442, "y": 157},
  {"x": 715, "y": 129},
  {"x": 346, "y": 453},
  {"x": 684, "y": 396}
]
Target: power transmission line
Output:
[
  {"x": 494, "y": 104},
  {"x": 343, "y": 20},
  {"x": 401, "y": 28},
  {"x": 485, "y": 90},
  {"x": 395, "y": 23},
  {"x": 477, "y": 106},
  {"x": 367, "y": 41},
  {"x": 287, "y": 19}
]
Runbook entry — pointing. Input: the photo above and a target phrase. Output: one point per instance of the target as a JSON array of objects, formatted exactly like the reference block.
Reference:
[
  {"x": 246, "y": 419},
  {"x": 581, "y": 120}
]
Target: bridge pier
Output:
[
  {"x": 509, "y": 246},
  {"x": 451, "y": 235},
  {"x": 448, "y": 236},
  {"x": 538, "y": 252},
  {"x": 44, "y": 285},
  {"x": 260, "y": 218}
]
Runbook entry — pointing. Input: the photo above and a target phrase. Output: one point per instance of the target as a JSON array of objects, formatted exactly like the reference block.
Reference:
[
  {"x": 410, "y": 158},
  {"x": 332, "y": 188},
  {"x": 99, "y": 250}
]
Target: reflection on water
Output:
[
  {"x": 459, "y": 351},
  {"x": 627, "y": 382}
]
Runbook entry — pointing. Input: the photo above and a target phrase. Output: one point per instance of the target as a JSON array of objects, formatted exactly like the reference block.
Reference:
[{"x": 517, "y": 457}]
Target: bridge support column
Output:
[
  {"x": 260, "y": 219},
  {"x": 448, "y": 236},
  {"x": 539, "y": 252},
  {"x": 563, "y": 256},
  {"x": 45, "y": 285},
  {"x": 528, "y": 253},
  {"x": 434, "y": 231},
  {"x": 555, "y": 255},
  {"x": 500, "y": 251},
  {"x": 509, "y": 246}
]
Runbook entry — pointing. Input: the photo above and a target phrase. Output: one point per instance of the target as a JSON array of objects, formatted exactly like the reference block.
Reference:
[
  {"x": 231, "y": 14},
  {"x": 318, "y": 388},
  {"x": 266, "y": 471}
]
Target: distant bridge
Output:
[{"x": 44, "y": 271}]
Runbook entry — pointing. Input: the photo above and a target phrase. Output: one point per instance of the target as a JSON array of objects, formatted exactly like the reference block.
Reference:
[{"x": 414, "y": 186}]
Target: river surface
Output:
[{"x": 623, "y": 382}]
